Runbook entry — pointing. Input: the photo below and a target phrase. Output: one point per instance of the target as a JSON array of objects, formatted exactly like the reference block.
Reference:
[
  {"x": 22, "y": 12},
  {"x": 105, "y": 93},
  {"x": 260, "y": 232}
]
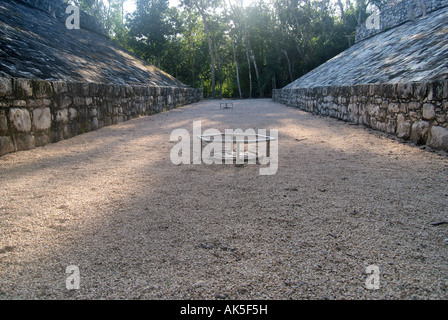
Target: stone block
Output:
[
  {"x": 24, "y": 141},
  {"x": 3, "y": 123},
  {"x": 84, "y": 88},
  {"x": 419, "y": 132},
  {"x": 442, "y": 118},
  {"x": 42, "y": 139},
  {"x": 62, "y": 115},
  {"x": 42, "y": 89},
  {"x": 23, "y": 88},
  {"x": 404, "y": 130},
  {"x": 63, "y": 102},
  {"x": 404, "y": 90},
  {"x": 34, "y": 103},
  {"x": 60, "y": 87},
  {"x": 403, "y": 127},
  {"x": 430, "y": 94},
  {"x": 79, "y": 101},
  {"x": 393, "y": 108},
  {"x": 438, "y": 138},
  {"x": 445, "y": 89},
  {"x": 93, "y": 112},
  {"x": 420, "y": 90},
  {"x": 391, "y": 126},
  {"x": 373, "y": 109},
  {"x": 72, "y": 114},
  {"x": 5, "y": 87},
  {"x": 46, "y": 102},
  {"x": 93, "y": 89},
  {"x": 95, "y": 125},
  {"x": 20, "y": 119},
  {"x": 6, "y": 145},
  {"x": 428, "y": 111},
  {"x": 19, "y": 103},
  {"x": 437, "y": 88},
  {"x": 42, "y": 118}
]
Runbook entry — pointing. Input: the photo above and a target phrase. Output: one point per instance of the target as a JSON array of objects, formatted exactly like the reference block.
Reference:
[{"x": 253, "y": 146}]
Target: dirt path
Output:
[{"x": 138, "y": 227}]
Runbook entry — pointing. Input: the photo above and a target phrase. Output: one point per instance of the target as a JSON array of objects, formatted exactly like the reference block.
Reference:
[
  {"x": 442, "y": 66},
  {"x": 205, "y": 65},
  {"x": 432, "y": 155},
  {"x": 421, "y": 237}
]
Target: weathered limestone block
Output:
[
  {"x": 3, "y": 123},
  {"x": 393, "y": 108},
  {"x": 404, "y": 90},
  {"x": 403, "y": 127},
  {"x": 24, "y": 141},
  {"x": 415, "y": 116},
  {"x": 93, "y": 89},
  {"x": 19, "y": 103},
  {"x": 5, "y": 87},
  {"x": 438, "y": 138},
  {"x": 373, "y": 110},
  {"x": 60, "y": 87},
  {"x": 93, "y": 112},
  {"x": 95, "y": 124},
  {"x": 391, "y": 126},
  {"x": 63, "y": 102},
  {"x": 42, "y": 139},
  {"x": 442, "y": 118},
  {"x": 62, "y": 115},
  {"x": 419, "y": 132},
  {"x": 437, "y": 88},
  {"x": 428, "y": 111},
  {"x": 42, "y": 89},
  {"x": 79, "y": 101},
  {"x": 445, "y": 89},
  {"x": 6, "y": 145},
  {"x": 34, "y": 103},
  {"x": 42, "y": 118},
  {"x": 72, "y": 114},
  {"x": 20, "y": 119},
  {"x": 46, "y": 102},
  {"x": 23, "y": 88},
  {"x": 420, "y": 90}
]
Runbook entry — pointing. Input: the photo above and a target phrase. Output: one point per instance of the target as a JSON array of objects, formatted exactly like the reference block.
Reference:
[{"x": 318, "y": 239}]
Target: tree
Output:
[
  {"x": 202, "y": 7},
  {"x": 230, "y": 49},
  {"x": 149, "y": 29}
]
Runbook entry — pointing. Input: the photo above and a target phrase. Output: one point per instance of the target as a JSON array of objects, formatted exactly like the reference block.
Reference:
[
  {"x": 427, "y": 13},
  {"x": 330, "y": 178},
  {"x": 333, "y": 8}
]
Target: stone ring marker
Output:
[{"x": 237, "y": 139}]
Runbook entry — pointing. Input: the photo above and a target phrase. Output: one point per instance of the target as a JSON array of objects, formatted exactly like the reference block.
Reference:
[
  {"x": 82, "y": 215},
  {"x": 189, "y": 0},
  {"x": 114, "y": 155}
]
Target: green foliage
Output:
[{"x": 274, "y": 42}]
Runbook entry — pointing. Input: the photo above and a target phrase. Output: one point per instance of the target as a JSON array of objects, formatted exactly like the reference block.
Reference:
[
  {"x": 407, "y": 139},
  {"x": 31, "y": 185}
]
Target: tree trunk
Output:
[
  {"x": 212, "y": 58},
  {"x": 255, "y": 67},
  {"x": 250, "y": 74},
  {"x": 193, "y": 79},
  {"x": 289, "y": 65},
  {"x": 237, "y": 72},
  {"x": 218, "y": 63}
]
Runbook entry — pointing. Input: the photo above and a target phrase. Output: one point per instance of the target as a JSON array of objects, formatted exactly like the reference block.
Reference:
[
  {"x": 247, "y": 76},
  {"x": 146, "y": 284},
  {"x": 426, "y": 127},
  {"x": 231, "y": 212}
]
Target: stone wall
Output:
[
  {"x": 37, "y": 112},
  {"x": 415, "y": 111},
  {"x": 398, "y": 12}
]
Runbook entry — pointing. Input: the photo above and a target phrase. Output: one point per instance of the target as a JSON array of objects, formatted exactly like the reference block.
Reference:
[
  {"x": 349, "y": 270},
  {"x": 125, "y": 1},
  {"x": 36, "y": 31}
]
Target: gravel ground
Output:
[{"x": 139, "y": 227}]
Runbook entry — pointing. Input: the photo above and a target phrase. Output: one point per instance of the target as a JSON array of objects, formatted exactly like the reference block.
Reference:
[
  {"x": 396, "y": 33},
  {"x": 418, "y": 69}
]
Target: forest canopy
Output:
[{"x": 233, "y": 48}]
